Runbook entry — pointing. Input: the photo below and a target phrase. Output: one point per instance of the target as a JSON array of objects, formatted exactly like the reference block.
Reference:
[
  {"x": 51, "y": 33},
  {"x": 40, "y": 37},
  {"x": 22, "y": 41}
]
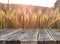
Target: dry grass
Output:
[{"x": 20, "y": 19}]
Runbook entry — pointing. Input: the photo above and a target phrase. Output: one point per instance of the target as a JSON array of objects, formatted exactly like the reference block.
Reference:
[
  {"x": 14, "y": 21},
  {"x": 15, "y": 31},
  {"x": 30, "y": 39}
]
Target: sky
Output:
[{"x": 44, "y": 3}]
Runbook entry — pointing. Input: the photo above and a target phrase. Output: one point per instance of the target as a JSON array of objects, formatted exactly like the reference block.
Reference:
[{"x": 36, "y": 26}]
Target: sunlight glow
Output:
[{"x": 45, "y": 3}]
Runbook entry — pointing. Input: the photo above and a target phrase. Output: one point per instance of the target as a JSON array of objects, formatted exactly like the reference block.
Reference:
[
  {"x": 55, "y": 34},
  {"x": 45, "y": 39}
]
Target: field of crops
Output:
[{"x": 29, "y": 17}]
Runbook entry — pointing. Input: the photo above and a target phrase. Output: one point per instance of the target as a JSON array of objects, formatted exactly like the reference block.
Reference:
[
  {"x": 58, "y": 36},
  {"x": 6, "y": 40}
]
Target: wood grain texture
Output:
[{"x": 37, "y": 36}]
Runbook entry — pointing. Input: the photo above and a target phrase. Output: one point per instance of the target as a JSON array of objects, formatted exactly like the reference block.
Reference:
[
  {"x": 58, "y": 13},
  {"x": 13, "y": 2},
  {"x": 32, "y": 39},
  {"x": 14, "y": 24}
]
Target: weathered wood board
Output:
[{"x": 35, "y": 36}]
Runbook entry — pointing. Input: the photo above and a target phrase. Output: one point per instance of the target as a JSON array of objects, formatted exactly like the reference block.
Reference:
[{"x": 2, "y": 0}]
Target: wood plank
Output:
[
  {"x": 18, "y": 35},
  {"x": 44, "y": 36},
  {"x": 2, "y": 30},
  {"x": 7, "y": 31},
  {"x": 58, "y": 42},
  {"x": 55, "y": 34},
  {"x": 29, "y": 42},
  {"x": 46, "y": 42},
  {"x": 41, "y": 35},
  {"x": 7, "y": 34},
  {"x": 31, "y": 36},
  {"x": 10, "y": 42}
]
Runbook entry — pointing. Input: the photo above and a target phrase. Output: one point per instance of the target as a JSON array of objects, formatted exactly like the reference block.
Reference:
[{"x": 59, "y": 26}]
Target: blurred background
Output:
[{"x": 30, "y": 14}]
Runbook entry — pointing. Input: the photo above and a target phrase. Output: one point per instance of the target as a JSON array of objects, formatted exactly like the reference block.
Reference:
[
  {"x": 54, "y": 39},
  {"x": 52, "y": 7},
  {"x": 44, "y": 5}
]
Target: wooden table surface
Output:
[{"x": 27, "y": 36}]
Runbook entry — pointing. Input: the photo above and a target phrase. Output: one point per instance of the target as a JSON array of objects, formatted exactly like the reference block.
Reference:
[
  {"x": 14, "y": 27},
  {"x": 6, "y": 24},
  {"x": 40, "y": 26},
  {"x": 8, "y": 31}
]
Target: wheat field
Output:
[{"x": 29, "y": 18}]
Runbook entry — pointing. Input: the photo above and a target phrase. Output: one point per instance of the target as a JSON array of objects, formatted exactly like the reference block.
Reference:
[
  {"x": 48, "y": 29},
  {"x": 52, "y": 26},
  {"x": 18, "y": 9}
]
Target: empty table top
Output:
[{"x": 30, "y": 34}]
